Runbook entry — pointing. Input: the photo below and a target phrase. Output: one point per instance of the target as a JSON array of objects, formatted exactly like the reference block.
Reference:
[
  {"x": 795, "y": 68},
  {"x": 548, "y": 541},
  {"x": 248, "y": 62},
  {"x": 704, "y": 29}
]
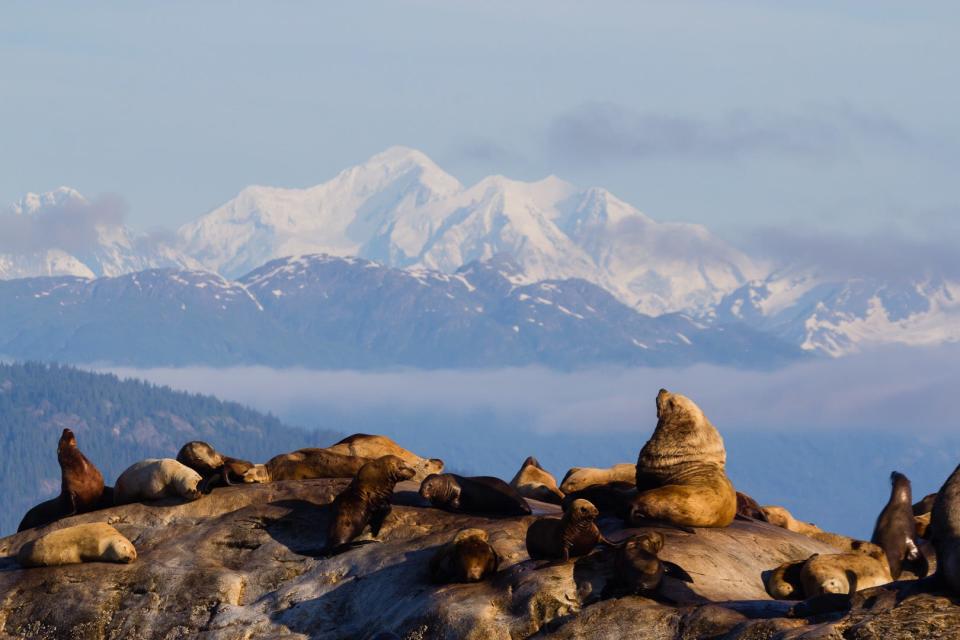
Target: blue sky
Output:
[{"x": 834, "y": 116}]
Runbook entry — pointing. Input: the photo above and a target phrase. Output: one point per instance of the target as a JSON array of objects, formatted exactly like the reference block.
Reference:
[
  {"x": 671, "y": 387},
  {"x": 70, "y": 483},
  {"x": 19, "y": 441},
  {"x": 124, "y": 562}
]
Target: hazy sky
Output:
[{"x": 735, "y": 114}]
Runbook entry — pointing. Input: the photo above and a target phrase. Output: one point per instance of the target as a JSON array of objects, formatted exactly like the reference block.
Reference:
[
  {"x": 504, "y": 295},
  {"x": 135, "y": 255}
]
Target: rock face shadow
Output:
[{"x": 303, "y": 530}]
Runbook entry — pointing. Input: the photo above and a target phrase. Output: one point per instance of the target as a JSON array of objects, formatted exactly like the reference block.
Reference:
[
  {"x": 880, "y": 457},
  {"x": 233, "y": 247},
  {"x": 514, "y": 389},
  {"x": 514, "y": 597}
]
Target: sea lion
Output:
[
  {"x": 842, "y": 573},
  {"x": 215, "y": 468},
  {"x": 575, "y": 534},
  {"x": 94, "y": 542},
  {"x": 945, "y": 526},
  {"x": 366, "y": 500},
  {"x": 747, "y": 507},
  {"x": 372, "y": 447},
  {"x": 306, "y": 464},
  {"x": 534, "y": 482},
  {"x": 680, "y": 470},
  {"x": 477, "y": 494},
  {"x": 895, "y": 530},
  {"x": 922, "y": 524},
  {"x": 469, "y": 557},
  {"x": 81, "y": 486},
  {"x": 925, "y": 505},
  {"x": 156, "y": 478},
  {"x": 783, "y": 583},
  {"x": 613, "y": 498},
  {"x": 637, "y": 569},
  {"x": 579, "y": 478},
  {"x": 780, "y": 517}
]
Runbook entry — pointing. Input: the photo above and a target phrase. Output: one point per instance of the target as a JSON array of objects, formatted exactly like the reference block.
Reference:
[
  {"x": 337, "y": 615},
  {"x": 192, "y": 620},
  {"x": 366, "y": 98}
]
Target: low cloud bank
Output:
[{"x": 69, "y": 225}]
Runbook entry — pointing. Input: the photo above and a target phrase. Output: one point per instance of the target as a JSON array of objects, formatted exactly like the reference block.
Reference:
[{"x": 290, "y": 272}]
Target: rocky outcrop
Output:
[{"x": 242, "y": 563}]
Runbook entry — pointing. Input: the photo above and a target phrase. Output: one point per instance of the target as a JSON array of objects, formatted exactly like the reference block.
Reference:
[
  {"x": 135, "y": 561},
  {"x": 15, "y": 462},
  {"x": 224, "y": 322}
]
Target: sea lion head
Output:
[
  {"x": 256, "y": 473},
  {"x": 200, "y": 456},
  {"x": 119, "y": 549},
  {"x": 473, "y": 556},
  {"x": 901, "y": 491},
  {"x": 440, "y": 490},
  {"x": 67, "y": 441},
  {"x": 649, "y": 541},
  {"x": 390, "y": 468},
  {"x": 582, "y": 510},
  {"x": 675, "y": 406}
]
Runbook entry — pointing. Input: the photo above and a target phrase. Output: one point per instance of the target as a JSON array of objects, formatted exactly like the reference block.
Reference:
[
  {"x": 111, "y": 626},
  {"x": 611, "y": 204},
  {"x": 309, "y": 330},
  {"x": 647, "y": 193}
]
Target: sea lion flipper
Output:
[
  {"x": 676, "y": 572},
  {"x": 611, "y": 543}
]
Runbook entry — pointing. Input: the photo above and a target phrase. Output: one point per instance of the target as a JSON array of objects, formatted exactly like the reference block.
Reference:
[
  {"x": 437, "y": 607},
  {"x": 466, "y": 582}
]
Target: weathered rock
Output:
[{"x": 239, "y": 563}]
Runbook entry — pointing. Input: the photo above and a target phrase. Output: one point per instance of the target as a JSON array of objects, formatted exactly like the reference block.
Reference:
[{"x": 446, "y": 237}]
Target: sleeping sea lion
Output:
[
  {"x": 579, "y": 478},
  {"x": 534, "y": 482},
  {"x": 469, "y": 557},
  {"x": 842, "y": 573},
  {"x": 477, "y": 494},
  {"x": 373, "y": 447},
  {"x": 154, "y": 479},
  {"x": 93, "y": 542},
  {"x": 366, "y": 501},
  {"x": 215, "y": 468},
  {"x": 306, "y": 464},
  {"x": 613, "y": 498}
]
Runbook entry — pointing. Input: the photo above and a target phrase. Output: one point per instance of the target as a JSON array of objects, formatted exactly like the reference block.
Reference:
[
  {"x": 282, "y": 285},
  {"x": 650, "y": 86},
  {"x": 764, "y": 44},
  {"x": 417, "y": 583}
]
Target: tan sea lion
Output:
[
  {"x": 306, "y": 464},
  {"x": 477, "y": 494},
  {"x": 945, "y": 526},
  {"x": 373, "y": 447},
  {"x": 156, "y": 478},
  {"x": 575, "y": 534},
  {"x": 366, "y": 501},
  {"x": 895, "y": 530},
  {"x": 922, "y": 524},
  {"x": 469, "y": 557},
  {"x": 780, "y": 517},
  {"x": 680, "y": 470},
  {"x": 215, "y": 468},
  {"x": 784, "y": 583},
  {"x": 81, "y": 486},
  {"x": 535, "y": 483},
  {"x": 842, "y": 573},
  {"x": 579, "y": 478},
  {"x": 94, "y": 542}
]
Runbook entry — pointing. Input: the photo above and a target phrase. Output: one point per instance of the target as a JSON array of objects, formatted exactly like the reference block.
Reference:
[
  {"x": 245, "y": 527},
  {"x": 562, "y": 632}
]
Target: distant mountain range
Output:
[{"x": 401, "y": 210}]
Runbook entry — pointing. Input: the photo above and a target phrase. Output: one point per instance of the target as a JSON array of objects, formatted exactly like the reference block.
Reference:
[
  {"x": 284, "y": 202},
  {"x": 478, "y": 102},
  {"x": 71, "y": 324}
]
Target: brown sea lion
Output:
[
  {"x": 638, "y": 570},
  {"x": 575, "y": 534},
  {"x": 94, "y": 542},
  {"x": 306, "y": 464},
  {"x": 747, "y": 507},
  {"x": 842, "y": 573},
  {"x": 680, "y": 470},
  {"x": 925, "y": 505},
  {"x": 81, "y": 486},
  {"x": 215, "y": 468},
  {"x": 783, "y": 583},
  {"x": 154, "y": 479},
  {"x": 373, "y": 447},
  {"x": 469, "y": 557},
  {"x": 895, "y": 530},
  {"x": 945, "y": 531},
  {"x": 535, "y": 483},
  {"x": 366, "y": 501},
  {"x": 477, "y": 494},
  {"x": 579, "y": 478}
]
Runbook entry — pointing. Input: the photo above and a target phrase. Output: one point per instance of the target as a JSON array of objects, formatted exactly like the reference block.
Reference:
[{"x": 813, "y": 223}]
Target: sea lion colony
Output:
[{"x": 679, "y": 481}]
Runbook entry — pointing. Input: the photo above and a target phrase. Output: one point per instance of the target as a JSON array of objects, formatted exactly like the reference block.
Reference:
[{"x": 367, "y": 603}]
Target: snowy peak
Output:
[{"x": 32, "y": 203}]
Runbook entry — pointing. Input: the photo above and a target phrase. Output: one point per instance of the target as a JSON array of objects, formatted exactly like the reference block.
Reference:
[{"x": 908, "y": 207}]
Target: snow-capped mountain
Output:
[
  {"x": 90, "y": 244},
  {"x": 401, "y": 209},
  {"x": 839, "y": 316}
]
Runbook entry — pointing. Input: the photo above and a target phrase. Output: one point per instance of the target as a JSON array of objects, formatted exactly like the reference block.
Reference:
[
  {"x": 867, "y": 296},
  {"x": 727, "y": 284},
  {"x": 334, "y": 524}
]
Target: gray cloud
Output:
[
  {"x": 70, "y": 225},
  {"x": 606, "y": 132}
]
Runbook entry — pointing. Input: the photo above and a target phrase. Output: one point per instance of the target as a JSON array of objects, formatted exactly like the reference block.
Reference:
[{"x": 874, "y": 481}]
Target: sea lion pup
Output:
[
  {"x": 637, "y": 569},
  {"x": 94, "y": 542},
  {"x": 535, "y": 483},
  {"x": 747, "y": 507},
  {"x": 373, "y": 447},
  {"x": 215, "y": 468},
  {"x": 366, "y": 500},
  {"x": 81, "y": 486},
  {"x": 842, "y": 573},
  {"x": 783, "y": 583},
  {"x": 782, "y": 518},
  {"x": 945, "y": 526},
  {"x": 469, "y": 557},
  {"x": 895, "y": 530},
  {"x": 579, "y": 478},
  {"x": 156, "y": 478},
  {"x": 680, "y": 470},
  {"x": 306, "y": 464},
  {"x": 478, "y": 494},
  {"x": 575, "y": 534}
]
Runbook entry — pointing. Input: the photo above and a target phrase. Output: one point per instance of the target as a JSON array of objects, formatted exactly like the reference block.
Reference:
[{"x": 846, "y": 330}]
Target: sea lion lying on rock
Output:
[
  {"x": 94, "y": 542},
  {"x": 637, "y": 570},
  {"x": 783, "y": 583},
  {"x": 156, "y": 478},
  {"x": 680, "y": 471},
  {"x": 895, "y": 530},
  {"x": 747, "y": 507},
  {"x": 612, "y": 499},
  {"x": 215, "y": 468},
  {"x": 945, "y": 530},
  {"x": 373, "y": 447},
  {"x": 579, "y": 478},
  {"x": 366, "y": 501},
  {"x": 575, "y": 534},
  {"x": 782, "y": 518},
  {"x": 478, "y": 494},
  {"x": 305, "y": 464},
  {"x": 535, "y": 483},
  {"x": 81, "y": 487},
  {"x": 842, "y": 573},
  {"x": 469, "y": 557}
]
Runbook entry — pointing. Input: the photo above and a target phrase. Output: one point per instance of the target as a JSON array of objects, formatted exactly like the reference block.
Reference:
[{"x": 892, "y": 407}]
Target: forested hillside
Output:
[{"x": 117, "y": 422}]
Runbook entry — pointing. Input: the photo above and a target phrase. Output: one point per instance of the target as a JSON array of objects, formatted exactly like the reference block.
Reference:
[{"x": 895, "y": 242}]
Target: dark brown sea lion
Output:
[
  {"x": 535, "y": 483},
  {"x": 575, "y": 534},
  {"x": 747, "y": 507},
  {"x": 469, "y": 557},
  {"x": 476, "y": 494},
  {"x": 366, "y": 501},
  {"x": 637, "y": 569},
  {"x": 612, "y": 498},
  {"x": 306, "y": 464},
  {"x": 945, "y": 530},
  {"x": 215, "y": 468},
  {"x": 784, "y": 583},
  {"x": 925, "y": 505},
  {"x": 81, "y": 486},
  {"x": 895, "y": 530}
]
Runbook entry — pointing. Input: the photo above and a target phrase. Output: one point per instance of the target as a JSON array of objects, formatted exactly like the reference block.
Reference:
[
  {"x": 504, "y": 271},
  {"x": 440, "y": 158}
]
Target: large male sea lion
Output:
[
  {"x": 469, "y": 557},
  {"x": 680, "y": 470},
  {"x": 372, "y": 447},
  {"x": 94, "y": 542},
  {"x": 366, "y": 501},
  {"x": 477, "y": 494},
  {"x": 895, "y": 530},
  {"x": 215, "y": 468},
  {"x": 575, "y": 534},
  {"x": 156, "y": 478},
  {"x": 579, "y": 478},
  {"x": 306, "y": 464},
  {"x": 534, "y": 482},
  {"x": 945, "y": 529},
  {"x": 81, "y": 486}
]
